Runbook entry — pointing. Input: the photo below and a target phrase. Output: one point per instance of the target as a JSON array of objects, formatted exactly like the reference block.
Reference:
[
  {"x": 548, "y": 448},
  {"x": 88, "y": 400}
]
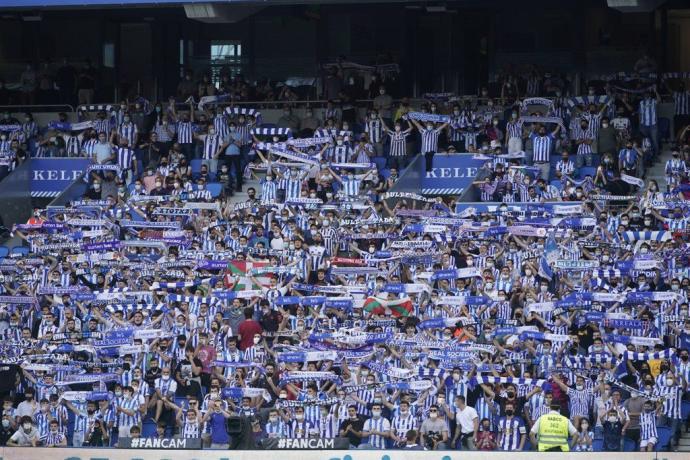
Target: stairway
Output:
[
  {"x": 241, "y": 197},
  {"x": 656, "y": 172},
  {"x": 684, "y": 442}
]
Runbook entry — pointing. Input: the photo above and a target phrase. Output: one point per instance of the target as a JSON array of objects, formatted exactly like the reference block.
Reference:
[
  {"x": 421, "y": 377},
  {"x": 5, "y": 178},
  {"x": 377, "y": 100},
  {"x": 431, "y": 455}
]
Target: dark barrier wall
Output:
[
  {"x": 75, "y": 191},
  {"x": 15, "y": 196}
]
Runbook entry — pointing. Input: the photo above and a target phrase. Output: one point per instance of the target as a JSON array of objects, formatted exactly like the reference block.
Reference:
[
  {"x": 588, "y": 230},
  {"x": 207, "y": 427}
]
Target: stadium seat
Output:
[
  {"x": 21, "y": 250},
  {"x": 598, "y": 445},
  {"x": 665, "y": 434},
  {"x": 586, "y": 171},
  {"x": 385, "y": 173},
  {"x": 380, "y": 162},
  {"x": 148, "y": 429},
  {"x": 196, "y": 166},
  {"x": 4, "y": 250},
  {"x": 629, "y": 445},
  {"x": 685, "y": 410},
  {"x": 215, "y": 188},
  {"x": 557, "y": 183}
]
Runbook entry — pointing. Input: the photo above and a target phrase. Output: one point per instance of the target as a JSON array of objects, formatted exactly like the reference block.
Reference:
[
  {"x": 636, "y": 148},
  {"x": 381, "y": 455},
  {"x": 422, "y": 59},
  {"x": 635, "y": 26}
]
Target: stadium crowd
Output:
[{"x": 325, "y": 305}]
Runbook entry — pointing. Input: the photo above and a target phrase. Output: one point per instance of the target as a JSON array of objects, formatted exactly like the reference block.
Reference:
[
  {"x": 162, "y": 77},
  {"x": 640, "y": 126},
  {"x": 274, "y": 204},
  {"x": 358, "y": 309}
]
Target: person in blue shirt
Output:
[{"x": 217, "y": 418}]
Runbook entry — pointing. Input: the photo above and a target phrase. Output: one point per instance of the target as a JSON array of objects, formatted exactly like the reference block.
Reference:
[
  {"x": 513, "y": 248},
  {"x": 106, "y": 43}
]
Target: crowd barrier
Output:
[{"x": 42, "y": 453}]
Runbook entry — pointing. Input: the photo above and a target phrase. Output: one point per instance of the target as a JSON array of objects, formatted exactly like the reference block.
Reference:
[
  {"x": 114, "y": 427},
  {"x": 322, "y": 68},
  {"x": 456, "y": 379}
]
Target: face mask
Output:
[
  {"x": 429, "y": 126},
  {"x": 580, "y": 387},
  {"x": 376, "y": 413},
  {"x": 509, "y": 412},
  {"x": 544, "y": 288},
  {"x": 613, "y": 419},
  {"x": 339, "y": 142},
  {"x": 470, "y": 262},
  {"x": 257, "y": 340},
  {"x": 528, "y": 272},
  {"x": 5, "y": 423},
  {"x": 433, "y": 415},
  {"x": 282, "y": 396},
  {"x": 273, "y": 418},
  {"x": 644, "y": 250},
  {"x": 510, "y": 394},
  {"x": 299, "y": 416},
  {"x": 26, "y": 426},
  {"x": 96, "y": 186},
  {"x": 669, "y": 382}
]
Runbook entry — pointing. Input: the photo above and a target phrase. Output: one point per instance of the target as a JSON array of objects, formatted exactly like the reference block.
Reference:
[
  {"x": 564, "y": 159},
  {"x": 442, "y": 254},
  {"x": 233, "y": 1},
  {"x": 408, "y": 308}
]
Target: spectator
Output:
[{"x": 26, "y": 435}]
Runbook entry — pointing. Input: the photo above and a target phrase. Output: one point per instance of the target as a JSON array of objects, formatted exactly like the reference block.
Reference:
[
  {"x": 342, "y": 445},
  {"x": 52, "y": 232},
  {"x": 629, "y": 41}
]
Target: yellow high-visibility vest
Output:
[{"x": 553, "y": 432}]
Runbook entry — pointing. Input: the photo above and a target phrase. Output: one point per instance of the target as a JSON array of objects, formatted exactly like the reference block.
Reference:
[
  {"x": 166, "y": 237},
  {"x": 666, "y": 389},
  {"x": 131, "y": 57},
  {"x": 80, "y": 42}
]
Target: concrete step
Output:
[{"x": 684, "y": 442}]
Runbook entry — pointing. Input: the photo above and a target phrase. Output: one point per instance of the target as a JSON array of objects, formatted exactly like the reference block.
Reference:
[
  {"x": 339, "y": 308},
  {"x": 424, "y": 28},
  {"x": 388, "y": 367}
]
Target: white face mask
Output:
[
  {"x": 26, "y": 426},
  {"x": 669, "y": 382},
  {"x": 339, "y": 142},
  {"x": 528, "y": 272},
  {"x": 299, "y": 416},
  {"x": 376, "y": 413},
  {"x": 433, "y": 415},
  {"x": 273, "y": 418}
]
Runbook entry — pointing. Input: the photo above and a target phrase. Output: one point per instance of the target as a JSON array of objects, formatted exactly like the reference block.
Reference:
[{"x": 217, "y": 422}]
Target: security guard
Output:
[{"x": 551, "y": 430}]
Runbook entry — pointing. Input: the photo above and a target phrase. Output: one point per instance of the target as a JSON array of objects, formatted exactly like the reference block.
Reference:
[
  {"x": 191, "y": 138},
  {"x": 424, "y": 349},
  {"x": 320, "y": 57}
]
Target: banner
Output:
[
  {"x": 450, "y": 175},
  {"x": 306, "y": 444},
  {"x": 51, "y": 176},
  {"x": 155, "y": 443}
]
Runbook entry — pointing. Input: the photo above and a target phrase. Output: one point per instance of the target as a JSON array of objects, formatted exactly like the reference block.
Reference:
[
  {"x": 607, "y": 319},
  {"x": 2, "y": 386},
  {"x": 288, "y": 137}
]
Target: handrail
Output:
[{"x": 23, "y": 106}]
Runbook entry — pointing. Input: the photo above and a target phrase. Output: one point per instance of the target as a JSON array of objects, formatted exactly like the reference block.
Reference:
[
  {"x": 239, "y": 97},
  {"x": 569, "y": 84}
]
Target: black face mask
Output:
[
  {"x": 684, "y": 357},
  {"x": 510, "y": 394},
  {"x": 510, "y": 412}
]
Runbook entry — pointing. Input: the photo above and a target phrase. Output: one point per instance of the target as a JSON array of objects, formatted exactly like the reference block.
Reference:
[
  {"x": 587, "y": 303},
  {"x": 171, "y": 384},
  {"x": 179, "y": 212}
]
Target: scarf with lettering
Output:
[
  {"x": 424, "y": 117},
  {"x": 318, "y": 376}
]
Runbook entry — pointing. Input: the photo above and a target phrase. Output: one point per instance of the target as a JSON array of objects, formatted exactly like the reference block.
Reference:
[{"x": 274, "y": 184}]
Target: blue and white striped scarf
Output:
[{"x": 260, "y": 131}]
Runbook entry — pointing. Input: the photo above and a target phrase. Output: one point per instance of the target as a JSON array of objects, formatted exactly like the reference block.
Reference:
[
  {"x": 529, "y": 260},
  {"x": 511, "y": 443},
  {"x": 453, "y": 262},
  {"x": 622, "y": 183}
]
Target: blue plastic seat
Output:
[
  {"x": 4, "y": 250},
  {"x": 196, "y": 166},
  {"x": 215, "y": 188},
  {"x": 629, "y": 445},
  {"x": 587, "y": 171},
  {"x": 664, "y": 438},
  {"x": 685, "y": 410},
  {"x": 380, "y": 162},
  {"x": 148, "y": 429},
  {"x": 557, "y": 183},
  {"x": 598, "y": 445},
  {"x": 20, "y": 250}
]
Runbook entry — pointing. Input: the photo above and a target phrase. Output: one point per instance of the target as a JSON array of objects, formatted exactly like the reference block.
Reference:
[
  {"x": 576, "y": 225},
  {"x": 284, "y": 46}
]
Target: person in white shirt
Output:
[{"x": 467, "y": 421}]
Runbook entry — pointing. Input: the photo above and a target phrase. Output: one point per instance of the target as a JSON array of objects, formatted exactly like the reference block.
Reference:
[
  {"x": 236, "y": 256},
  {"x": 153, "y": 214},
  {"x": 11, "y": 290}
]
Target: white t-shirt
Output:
[
  {"x": 24, "y": 439},
  {"x": 465, "y": 418}
]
